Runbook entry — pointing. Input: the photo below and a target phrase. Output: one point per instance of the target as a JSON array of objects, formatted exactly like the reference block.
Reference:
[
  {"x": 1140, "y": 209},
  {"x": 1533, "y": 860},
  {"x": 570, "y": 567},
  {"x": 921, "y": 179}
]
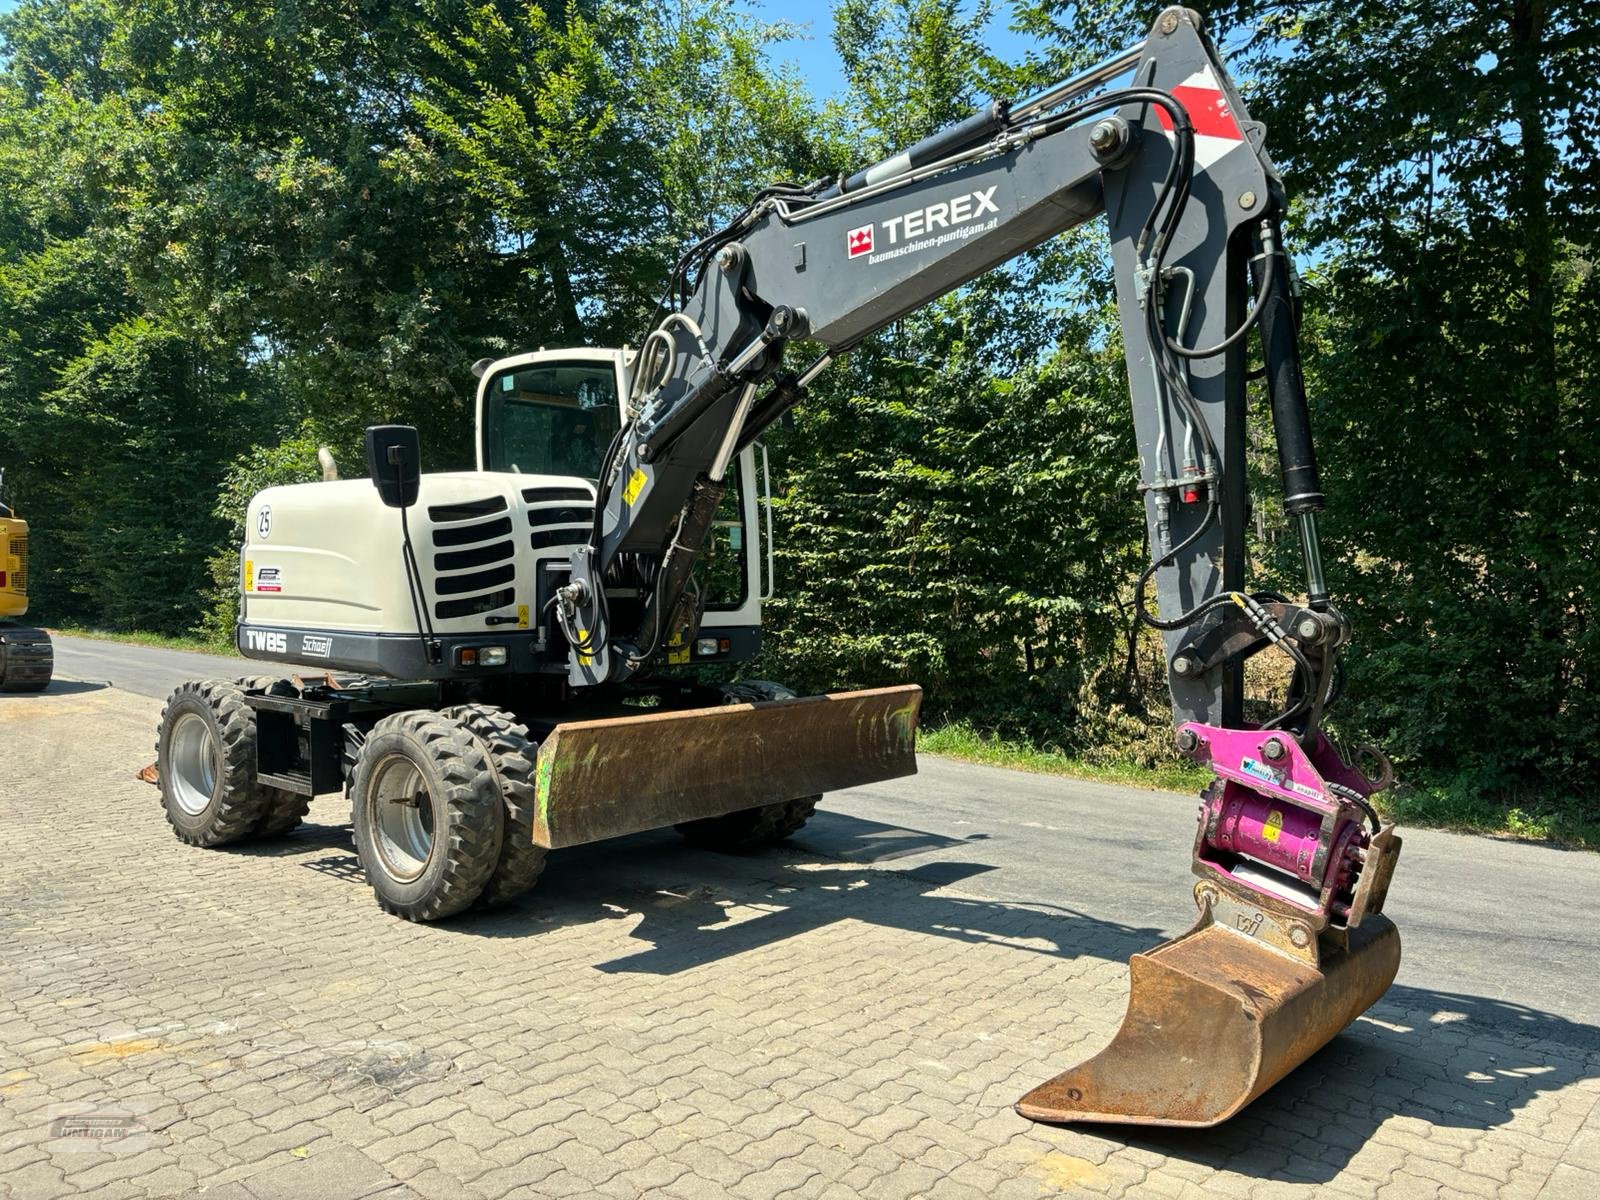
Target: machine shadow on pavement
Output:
[
  {"x": 58, "y": 687},
  {"x": 1453, "y": 1061},
  {"x": 682, "y": 896}
]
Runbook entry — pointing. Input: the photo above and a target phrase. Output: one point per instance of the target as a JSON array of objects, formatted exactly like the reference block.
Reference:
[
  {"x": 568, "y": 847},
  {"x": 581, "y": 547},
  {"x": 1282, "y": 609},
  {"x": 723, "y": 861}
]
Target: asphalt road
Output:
[{"x": 1489, "y": 925}]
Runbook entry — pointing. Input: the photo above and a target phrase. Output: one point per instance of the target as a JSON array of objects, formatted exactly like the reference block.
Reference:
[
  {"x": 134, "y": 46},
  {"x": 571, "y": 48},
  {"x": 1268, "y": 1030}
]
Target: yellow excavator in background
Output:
[{"x": 26, "y": 657}]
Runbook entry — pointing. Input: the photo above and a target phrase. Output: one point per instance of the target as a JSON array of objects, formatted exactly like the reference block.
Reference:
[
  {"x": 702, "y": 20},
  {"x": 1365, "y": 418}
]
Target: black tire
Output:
[
  {"x": 284, "y": 810},
  {"x": 751, "y": 829},
  {"x": 206, "y": 756},
  {"x": 27, "y": 659},
  {"x": 513, "y": 757},
  {"x": 414, "y": 872}
]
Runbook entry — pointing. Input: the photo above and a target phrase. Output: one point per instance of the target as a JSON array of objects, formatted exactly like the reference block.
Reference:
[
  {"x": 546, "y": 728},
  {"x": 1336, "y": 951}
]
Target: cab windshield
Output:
[{"x": 552, "y": 418}]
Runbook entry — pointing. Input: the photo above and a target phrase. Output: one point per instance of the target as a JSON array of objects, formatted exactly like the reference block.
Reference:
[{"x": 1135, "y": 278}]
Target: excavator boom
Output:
[{"x": 1293, "y": 862}]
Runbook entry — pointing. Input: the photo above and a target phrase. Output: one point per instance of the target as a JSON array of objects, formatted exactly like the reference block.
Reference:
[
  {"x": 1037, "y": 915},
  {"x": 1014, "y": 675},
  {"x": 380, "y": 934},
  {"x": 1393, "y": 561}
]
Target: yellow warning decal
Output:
[
  {"x": 249, "y": 575},
  {"x": 1273, "y": 827},
  {"x": 677, "y": 649},
  {"x": 584, "y": 659},
  {"x": 635, "y": 484},
  {"x": 522, "y": 616}
]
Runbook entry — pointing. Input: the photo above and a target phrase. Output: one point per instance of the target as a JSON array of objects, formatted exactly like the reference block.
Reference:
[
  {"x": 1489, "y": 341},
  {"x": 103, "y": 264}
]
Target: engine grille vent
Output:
[
  {"x": 478, "y": 556},
  {"x": 465, "y": 535},
  {"x": 484, "y": 571},
  {"x": 555, "y": 520},
  {"x": 543, "y": 495},
  {"x": 472, "y": 605},
  {"x": 465, "y": 510},
  {"x": 477, "y": 581},
  {"x": 19, "y": 577}
]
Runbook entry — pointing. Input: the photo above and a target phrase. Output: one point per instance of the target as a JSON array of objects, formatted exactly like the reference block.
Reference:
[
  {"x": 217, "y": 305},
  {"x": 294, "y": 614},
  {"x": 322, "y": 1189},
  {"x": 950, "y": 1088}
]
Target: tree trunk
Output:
[
  {"x": 553, "y": 257},
  {"x": 1543, "y": 434}
]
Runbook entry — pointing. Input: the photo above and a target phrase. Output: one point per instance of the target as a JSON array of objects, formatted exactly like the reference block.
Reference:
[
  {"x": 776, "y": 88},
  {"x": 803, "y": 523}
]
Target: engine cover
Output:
[{"x": 323, "y": 579}]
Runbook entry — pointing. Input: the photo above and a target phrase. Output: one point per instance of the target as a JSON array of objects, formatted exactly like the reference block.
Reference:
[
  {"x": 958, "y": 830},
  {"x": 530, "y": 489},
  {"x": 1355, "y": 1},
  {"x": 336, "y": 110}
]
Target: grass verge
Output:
[
  {"x": 1456, "y": 809},
  {"x": 164, "y": 641},
  {"x": 1466, "y": 811},
  {"x": 969, "y": 744}
]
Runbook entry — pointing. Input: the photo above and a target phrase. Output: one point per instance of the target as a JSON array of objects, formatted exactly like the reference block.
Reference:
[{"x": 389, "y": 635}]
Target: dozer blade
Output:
[
  {"x": 1215, "y": 1018},
  {"x": 605, "y": 778}
]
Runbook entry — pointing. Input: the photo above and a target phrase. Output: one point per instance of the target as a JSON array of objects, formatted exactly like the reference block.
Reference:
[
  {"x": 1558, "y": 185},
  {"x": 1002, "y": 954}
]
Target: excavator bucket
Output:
[
  {"x": 1214, "y": 1019},
  {"x": 613, "y": 776},
  {"x": 1289, "y": 948}
]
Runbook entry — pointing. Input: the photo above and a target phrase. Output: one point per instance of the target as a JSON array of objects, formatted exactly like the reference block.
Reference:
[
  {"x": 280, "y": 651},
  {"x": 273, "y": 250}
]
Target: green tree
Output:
[
  {"x": 1446, "y": 170},
  {"x": 337, "y": 206},
  {"x": 959, "y": 506},
  {"x": 140, "y": 403}
]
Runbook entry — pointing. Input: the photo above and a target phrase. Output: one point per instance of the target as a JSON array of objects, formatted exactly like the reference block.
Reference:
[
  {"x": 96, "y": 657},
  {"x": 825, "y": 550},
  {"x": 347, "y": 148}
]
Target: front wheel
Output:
[
  {"x": 427, "y": 815},
  {"x": 751, "y": 829}
]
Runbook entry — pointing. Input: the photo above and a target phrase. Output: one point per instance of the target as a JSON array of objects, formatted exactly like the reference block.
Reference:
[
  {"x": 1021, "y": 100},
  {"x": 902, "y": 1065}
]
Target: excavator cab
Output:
[{"x": 549, "y": 414}]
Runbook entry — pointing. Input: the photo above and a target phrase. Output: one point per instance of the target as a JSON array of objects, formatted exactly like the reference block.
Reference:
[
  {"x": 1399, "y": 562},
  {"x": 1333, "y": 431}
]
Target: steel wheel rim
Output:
[
  {"x": 196, "y": 763},
  {"x": 400, "y": 812}
]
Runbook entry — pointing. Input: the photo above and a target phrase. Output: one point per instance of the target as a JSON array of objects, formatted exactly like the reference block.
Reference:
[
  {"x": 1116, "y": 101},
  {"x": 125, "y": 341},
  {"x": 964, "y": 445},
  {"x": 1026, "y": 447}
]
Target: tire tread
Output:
[
  {"x": 513, "y": 757},
  {"x": 243, "y": 800},
  {"x": 474, "y": 834}
]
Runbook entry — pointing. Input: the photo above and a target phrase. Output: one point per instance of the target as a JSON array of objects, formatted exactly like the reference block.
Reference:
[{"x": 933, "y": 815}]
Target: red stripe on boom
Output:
[{"x": 1208, "y": 113}]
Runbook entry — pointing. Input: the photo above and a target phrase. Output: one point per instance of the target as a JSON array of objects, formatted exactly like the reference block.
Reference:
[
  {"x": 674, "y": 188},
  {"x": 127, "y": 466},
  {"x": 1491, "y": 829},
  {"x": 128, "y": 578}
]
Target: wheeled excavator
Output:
[
  {"x": 488, "y": 657},
  {"x": 26, "y": 655}
]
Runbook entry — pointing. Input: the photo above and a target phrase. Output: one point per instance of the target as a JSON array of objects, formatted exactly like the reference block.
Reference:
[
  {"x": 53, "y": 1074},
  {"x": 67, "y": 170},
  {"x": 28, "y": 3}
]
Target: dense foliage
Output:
[{"x": 231, "y": 233}]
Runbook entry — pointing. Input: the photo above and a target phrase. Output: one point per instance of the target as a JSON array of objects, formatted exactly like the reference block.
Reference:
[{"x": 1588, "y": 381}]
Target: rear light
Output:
[
  {"x": 481, "y": 656},
  {"x": 2, "y": 579},
  {"x": 711, "y": 647}
]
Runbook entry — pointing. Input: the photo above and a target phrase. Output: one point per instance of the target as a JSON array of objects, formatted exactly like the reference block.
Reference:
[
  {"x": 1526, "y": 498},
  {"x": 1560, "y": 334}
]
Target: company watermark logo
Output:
[{"x": 97, "y": 1128}]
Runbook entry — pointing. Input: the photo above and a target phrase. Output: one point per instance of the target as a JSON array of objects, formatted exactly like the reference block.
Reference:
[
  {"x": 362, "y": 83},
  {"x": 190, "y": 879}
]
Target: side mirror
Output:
[{"x": 394, "y": 463}]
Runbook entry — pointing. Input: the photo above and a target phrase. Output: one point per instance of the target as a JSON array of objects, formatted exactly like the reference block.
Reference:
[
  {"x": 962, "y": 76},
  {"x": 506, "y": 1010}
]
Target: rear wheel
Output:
[
  {"x": 26, "y": 659},
  {"x": 427, "y": 816},
  {"x": 512, "y": 756},
  {"x": 751, "y": 829},
  {"x": 206, "y": 759}
]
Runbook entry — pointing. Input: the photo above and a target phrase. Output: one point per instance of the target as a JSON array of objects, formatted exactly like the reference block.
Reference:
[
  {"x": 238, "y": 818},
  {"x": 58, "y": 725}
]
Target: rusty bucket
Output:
[
  {"x": 618, "y": 775},
  {"x": 1218, "y": 1015}
]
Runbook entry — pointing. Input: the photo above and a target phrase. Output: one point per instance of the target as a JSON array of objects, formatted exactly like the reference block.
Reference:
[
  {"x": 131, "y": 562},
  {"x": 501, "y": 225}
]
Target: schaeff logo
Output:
[{"x": 919, "y": 222}]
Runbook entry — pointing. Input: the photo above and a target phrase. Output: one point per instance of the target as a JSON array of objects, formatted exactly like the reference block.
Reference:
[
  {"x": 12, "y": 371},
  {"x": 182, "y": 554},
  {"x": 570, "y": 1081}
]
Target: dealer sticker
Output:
[
  {"x": 1261, "y": 771},
  {"x": 269, "y": 579}
]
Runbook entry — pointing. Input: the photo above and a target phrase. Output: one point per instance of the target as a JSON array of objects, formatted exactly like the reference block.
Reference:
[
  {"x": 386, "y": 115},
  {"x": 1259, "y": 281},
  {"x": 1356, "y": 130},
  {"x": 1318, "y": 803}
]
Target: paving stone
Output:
[
  {"x": 1568, "y": 1182},
  {"x": 335, "y": 1173},
  {"x": 651, "y": 1022}
]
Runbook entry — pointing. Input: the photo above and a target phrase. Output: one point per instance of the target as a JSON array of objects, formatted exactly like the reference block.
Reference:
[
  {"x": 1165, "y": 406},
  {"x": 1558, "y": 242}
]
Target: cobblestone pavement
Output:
[{"x": 654, "y": 1021}]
